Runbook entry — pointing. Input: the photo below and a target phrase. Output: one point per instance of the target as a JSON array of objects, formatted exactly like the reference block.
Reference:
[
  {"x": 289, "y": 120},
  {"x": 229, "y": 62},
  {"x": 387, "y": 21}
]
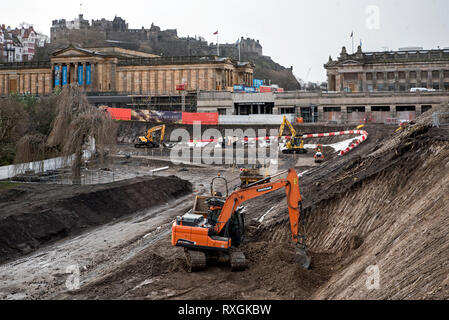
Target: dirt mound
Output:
[
  {"x": 387, "y": 209},
  {"x": 34, "y": 215}
]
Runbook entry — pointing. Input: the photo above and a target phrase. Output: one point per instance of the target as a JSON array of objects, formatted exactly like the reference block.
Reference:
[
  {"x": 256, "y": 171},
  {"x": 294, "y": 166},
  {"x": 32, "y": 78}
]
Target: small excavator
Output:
[
  {"x": 250, "y": 175},
  {"x": 319, "y": 155},
  {"x": 215, "y": 227},
  {"x": 149, "y": 141},
  {"x": 296, "y": 143}
]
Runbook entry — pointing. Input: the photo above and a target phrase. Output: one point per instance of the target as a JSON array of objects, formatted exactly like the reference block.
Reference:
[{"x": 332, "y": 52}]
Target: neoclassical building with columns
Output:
[
  {"x": 397, "y": 71},
  {"x": 117, "y": 70}
]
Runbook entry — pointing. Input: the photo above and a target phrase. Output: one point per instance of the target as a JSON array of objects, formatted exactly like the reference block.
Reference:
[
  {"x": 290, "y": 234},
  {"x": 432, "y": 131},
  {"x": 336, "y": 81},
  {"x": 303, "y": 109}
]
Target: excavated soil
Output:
[
  {"x": 384, "y": 206},
  {"x": 34, "y": 215},
  {"x": 385, "y": 209}
]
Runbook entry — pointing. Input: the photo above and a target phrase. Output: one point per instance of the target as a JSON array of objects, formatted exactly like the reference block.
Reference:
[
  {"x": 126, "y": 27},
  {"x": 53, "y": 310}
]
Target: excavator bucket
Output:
[{"x": 303, "y": 258}]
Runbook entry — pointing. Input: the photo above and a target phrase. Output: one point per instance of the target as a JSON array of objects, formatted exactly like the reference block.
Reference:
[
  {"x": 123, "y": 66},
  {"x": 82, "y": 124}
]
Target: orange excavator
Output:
[{"x": 215, "y": 227}]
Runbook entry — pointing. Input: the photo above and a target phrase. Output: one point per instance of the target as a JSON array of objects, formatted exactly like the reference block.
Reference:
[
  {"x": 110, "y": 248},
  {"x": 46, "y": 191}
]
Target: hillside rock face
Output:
[{"x": 163, "y": 42}]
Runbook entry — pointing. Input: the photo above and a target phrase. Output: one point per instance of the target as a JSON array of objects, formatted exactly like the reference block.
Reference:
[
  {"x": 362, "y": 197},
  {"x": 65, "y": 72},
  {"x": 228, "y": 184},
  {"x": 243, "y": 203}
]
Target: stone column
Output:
[
  {"x": 320, "y": 113},
  {"x": 418, "y": 78},
  {"x": 442, "y": 80},
  {"x": 393, "y": 111},
  {"x": 407, "y": 80},
  {"x": 374, "y": 81},
  {"x": 418, "y": 110},
  {"x": 429, "y": 79},
  {"x": 84, "y": 76},
  {"x": 344, "y": 114},
  {"x": 396, "y": 81},
  {"x": 76, "y": 72},
  {"x": 364, "y": 82}
]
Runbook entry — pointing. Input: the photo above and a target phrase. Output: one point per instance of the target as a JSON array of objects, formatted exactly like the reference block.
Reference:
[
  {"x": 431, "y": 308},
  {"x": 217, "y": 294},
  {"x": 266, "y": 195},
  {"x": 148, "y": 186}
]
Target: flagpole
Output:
[
  {"x": 352, "y": 37},
  {"x": 218, "y": 46}
]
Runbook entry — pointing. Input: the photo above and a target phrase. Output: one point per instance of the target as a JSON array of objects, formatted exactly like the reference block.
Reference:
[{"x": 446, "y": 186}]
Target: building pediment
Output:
[
  {"x": 72, "y": 51},
  {"x": 350, "y": 62}
]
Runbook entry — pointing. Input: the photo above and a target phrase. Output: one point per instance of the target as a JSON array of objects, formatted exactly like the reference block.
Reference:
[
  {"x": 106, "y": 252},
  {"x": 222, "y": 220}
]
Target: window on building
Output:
[
  {"x": 426, "y": 108},
  {"x": 287, "y": 110},
  {"x": 222, "y": 111},
  {"x": 390, "y": 75},
  {"x": 424, "y": 75},
  {"x": 436, "y": 86},
  {"x": 405, "y": 108},
  {"x": 402, "y": 87},
  {"x": 446, "y": 86},
  {"x": 380, "y": 76},
  {"x": 436, "y": 74},
  {"x": 356, "y": 109},
  {"x": 423, "y": 85},
  {"x": 412, "y": 85},
  {"x": 380, "y": 108},
  {"x": 332, "y": 109},
  {"x": 380, "y": 87},
  {"x": 391, "y": 87},
  {"x": 369, "y": 76},
  {"x": 401, "y": 75},
  {"x": 412, "y": 74},
  {"x": 370, "y": 88},
  {"x": 446, "y": 73}
]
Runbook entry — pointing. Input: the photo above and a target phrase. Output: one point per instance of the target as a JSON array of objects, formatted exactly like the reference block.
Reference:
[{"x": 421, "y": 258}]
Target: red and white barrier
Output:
[{"x": 363, "y": 133}]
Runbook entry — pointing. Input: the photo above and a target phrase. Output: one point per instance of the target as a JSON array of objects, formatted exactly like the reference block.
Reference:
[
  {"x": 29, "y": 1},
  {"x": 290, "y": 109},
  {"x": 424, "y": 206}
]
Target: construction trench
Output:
[{"x": 383, "y": 206}]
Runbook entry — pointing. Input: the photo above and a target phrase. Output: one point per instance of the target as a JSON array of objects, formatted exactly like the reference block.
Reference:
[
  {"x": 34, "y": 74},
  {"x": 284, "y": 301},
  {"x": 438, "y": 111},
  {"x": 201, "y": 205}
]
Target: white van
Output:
[{"x": 422, "y": 90}]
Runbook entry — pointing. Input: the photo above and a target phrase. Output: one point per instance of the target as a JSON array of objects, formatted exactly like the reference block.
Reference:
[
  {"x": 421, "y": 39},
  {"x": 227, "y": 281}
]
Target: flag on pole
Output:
[
  {"x": 215, "y": 33},
  {"x": 352, "y": 34}
]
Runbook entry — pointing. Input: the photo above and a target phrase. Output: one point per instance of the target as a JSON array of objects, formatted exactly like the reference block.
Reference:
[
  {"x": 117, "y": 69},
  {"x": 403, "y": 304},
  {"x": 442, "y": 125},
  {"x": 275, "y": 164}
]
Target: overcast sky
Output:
[{"x": 296, "y": 33}]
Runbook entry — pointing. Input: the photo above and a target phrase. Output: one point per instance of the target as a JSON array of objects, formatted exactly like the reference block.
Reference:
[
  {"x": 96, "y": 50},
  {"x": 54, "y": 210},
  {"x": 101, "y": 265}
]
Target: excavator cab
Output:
[{"x": 215, "y": 228}]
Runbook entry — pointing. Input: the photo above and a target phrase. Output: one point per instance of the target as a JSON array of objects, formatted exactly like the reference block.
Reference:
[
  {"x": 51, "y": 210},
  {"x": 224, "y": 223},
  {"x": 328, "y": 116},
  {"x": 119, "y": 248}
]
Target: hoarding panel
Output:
[
  {"x": 156, "y": 116},
  {"x": 204, "y": 118},
  {"x": 120, "y": 114}
]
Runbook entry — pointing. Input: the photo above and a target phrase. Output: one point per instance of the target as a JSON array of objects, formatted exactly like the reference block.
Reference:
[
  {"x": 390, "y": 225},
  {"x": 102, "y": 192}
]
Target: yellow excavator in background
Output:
[
  {"x": 149, "y": 141},
  {"x": 296, "y": 143}
]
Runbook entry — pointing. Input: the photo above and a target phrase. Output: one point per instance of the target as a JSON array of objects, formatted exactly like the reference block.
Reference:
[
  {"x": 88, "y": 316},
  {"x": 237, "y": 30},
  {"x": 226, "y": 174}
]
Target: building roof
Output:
[{"x": 382, "y": 57}]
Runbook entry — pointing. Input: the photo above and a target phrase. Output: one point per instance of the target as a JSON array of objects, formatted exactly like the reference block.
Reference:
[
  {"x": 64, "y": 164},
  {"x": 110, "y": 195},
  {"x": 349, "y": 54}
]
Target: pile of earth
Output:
[{"x": 32, "y": 215}]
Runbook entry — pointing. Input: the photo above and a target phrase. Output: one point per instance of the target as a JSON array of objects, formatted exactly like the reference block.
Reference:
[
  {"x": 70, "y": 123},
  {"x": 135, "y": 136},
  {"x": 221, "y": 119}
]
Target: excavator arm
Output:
[
  {"x": 287, "y": 123},
  {"x": 240, "y": 196}
]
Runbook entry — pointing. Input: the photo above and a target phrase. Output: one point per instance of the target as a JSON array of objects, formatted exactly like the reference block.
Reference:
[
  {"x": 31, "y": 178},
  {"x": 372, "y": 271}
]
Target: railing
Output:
[
  {"x": 26, "y": 65},
  {"x": 169, "y": 60}
]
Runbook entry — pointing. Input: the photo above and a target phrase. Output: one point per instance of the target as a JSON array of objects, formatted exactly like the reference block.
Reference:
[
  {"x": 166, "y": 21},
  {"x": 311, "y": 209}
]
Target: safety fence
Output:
[
  {"x": 205, "y": 118},
  {"x": 7, "y": 172},
  {"x": 255, "y": 119},
  {"x": 362, "y": 133}
]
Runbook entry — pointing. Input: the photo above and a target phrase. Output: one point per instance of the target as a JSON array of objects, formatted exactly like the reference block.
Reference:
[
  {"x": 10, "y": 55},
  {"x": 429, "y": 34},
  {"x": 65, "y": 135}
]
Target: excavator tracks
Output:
[
  {"x": 196, "y": 260},
  {"x": 237, "y": 260}
]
